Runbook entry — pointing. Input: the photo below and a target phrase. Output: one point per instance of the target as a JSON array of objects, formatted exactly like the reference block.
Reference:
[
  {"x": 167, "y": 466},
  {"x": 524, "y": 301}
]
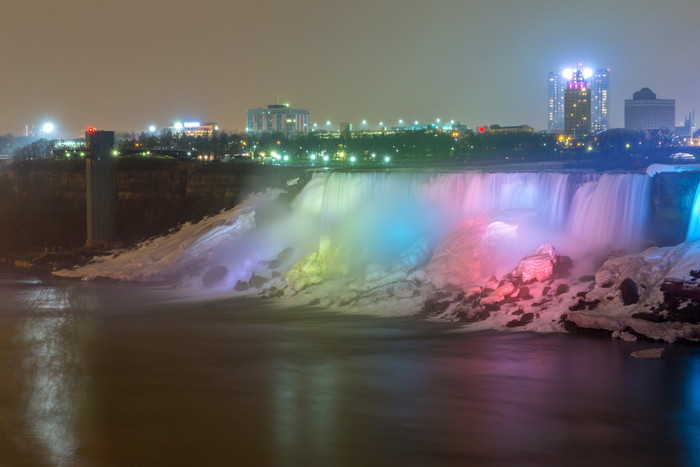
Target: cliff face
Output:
[{"x": 42, "y": 203}]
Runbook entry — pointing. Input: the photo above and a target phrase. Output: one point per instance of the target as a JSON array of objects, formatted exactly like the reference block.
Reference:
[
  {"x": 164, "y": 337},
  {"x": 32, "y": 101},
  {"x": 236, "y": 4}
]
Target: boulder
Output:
[
  {"x": 538, "y": 265},
  {"x": 499, "y": 294},
  {"x": 648, "y": 353}
]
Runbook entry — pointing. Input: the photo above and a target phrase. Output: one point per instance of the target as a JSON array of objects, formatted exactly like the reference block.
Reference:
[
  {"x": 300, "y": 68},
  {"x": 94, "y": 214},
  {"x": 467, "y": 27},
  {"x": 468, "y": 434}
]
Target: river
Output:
[{"x": 104, "y": 374}]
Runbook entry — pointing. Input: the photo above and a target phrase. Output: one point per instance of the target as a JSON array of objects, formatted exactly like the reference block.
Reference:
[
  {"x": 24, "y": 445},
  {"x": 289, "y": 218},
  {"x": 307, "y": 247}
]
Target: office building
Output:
[
  {"x": 645, "y": 112},
  {"x": 600, "y": 95},
  {"x": 599, "y": 81},
  {"x": 577, "y": 106},
  {"x": 206, "y": 130},
  {"x": 277, "y": 119},
  {"x": 556, "y": 88}
]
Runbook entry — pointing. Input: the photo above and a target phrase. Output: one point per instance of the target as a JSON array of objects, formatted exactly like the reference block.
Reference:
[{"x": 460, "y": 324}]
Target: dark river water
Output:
[{"x": 113, "y": 375}]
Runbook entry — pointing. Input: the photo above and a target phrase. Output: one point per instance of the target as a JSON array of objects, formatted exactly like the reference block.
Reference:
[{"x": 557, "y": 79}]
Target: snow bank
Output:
[{"x": 186, "y": 250}]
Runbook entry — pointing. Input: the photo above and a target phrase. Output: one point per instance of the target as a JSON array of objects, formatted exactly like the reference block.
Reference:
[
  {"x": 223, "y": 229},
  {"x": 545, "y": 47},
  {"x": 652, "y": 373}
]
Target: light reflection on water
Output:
[
  {"x": 52, "y": 339},
  {"x": 100, "y": 374}
]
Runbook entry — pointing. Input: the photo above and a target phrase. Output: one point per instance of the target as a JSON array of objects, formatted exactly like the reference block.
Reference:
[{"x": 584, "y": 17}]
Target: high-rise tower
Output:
[
  {"x": 557, "y": 83},
  {"x": 577, "y": 106},
  {"x": 600, "y": 93},
  {"x": 555, "y": 103}
]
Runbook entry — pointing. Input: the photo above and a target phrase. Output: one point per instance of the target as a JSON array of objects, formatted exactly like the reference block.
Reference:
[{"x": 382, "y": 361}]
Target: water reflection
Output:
[
  {"x": 95, "y": 377},
  {"x": 52, "y": 340}
]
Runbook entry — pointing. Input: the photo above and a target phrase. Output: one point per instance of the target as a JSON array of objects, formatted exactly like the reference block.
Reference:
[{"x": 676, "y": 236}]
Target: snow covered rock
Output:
[
  {"x": 538, "y": 265},
  {"x": 318, "y": 266}
]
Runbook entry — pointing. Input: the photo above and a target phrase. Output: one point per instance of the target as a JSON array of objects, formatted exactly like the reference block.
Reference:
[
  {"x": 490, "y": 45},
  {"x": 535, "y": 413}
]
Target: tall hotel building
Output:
[
  {"x": 600, "y": 98},
  {"x": 577, "y": 106},
  {"x": 277, "y": 119}
]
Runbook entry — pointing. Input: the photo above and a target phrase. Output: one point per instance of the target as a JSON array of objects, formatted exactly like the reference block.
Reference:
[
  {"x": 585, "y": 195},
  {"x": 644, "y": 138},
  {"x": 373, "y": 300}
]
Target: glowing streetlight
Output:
[
  {"x": 48, "y": 127},
  {"x": 178, "y": 126},
  {"x": 352, "y": 159},
  {"x": 437, "y": 120},
  {"x": 416, "y": 122},
  {"x": 387, "y": 159},
  {"x": 152, "y": 128},
  {"x": 328, "y": 123},
  {"x": 400, "y": 121}
]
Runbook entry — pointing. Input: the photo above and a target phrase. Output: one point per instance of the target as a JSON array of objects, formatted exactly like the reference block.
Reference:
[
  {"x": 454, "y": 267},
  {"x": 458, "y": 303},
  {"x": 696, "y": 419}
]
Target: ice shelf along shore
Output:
[{"x": 527, "y": 250}]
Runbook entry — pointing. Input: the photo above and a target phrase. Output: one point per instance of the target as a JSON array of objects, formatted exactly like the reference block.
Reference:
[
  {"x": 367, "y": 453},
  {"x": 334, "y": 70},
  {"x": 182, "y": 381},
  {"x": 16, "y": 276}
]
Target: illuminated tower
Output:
[
  {"x": 600, "y": 95},
  {"x": 577, "y": 105},
  {"x": 555, "y": 103}
]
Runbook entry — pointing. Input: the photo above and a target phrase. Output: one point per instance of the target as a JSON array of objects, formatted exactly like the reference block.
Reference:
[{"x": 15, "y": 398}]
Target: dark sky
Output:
[{"x": 126, "y": 64}]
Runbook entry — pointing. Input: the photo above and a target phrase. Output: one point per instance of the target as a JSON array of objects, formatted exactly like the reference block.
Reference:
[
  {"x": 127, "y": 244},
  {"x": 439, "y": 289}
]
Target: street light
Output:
[
  {"x": 48, "y": 127},
  {"x": 152, "y": 128}
]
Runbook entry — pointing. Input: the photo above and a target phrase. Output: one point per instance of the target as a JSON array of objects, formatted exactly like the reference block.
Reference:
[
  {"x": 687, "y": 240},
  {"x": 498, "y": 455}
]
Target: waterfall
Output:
[
  {"x": 694, "y": 222},
  {"x": 388, "y": 209}
]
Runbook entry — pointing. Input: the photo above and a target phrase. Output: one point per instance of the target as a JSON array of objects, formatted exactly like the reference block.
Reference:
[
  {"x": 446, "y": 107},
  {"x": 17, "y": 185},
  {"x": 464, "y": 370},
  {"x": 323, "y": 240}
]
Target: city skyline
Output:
[{"x": 128, "y": 66}]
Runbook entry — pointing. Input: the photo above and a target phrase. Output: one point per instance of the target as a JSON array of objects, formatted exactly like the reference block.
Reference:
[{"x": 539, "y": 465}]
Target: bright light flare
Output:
[
  {"x": 48, "y": 127},
  {"x": 568, "y": 73}
]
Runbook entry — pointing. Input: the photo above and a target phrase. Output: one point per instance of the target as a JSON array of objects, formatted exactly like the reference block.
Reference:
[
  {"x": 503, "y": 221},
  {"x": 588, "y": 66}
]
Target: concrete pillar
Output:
[{"x": 101, "y": 192}]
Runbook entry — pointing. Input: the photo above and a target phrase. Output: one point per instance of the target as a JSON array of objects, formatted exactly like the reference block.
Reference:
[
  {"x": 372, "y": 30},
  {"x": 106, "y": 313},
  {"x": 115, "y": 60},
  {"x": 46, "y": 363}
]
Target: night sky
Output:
[{"x": 124, "y": 65}]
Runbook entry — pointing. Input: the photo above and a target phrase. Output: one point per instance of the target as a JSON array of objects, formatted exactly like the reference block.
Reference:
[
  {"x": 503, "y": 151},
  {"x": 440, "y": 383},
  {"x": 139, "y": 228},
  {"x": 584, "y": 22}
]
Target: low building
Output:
[
  {"x": 277, "y": 118},
  {"x": 645, "y": 112},
  {"x": 194, "y": 129},
  {"x": 505, "y": 130}
]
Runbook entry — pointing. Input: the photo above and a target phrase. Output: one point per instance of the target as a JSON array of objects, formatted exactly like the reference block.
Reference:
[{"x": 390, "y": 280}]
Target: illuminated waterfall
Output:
[{"x": 389, "y": 209}]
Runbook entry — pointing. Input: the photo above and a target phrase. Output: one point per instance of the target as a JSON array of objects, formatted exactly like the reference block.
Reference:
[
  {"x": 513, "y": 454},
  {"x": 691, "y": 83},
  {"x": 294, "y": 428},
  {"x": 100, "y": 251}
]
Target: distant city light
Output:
[
  {"x": 48, "y": 127},
  {"x": 178, "y": 125},
  {"x": 286, "y": 158},
  {"x": 328, "y": 122},
  {"x": 91, "y": 130},
  {"x": 152, "y": 128},
  {"x": 387, "y": 159},
  {"x": 568, "y": 73},
  {"x": 437, "y": 120},
  {"x": 352, "y": 159},
  {"x": 452, "y": 122},
  {"x": 400, "y": 121},
  {"x": 364, "y": 122},
  {"x": 191, "y": 124},
  {"x": 416, "y": 122},
  {"x": 373, "y": 155},
  {"x": 325, "y": 158},
  {"x": 313, "y": 157},
  {"x": 381, "y": 123},
  {"x": 587, "y": 73},
  {"x": 482, "y": 129}
]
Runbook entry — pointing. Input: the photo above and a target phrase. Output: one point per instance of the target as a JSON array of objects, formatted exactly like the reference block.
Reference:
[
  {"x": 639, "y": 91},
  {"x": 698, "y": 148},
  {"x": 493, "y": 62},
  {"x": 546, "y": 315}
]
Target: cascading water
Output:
[
  {"x": 393, "y": 222},
  {"x": 694, "y": 222},
  {"x": 388, "y": 210}
]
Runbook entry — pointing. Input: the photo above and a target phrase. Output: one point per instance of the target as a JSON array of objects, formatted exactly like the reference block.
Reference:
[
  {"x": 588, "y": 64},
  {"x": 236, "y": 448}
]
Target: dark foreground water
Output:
[{"x": 103, "y": 374}]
